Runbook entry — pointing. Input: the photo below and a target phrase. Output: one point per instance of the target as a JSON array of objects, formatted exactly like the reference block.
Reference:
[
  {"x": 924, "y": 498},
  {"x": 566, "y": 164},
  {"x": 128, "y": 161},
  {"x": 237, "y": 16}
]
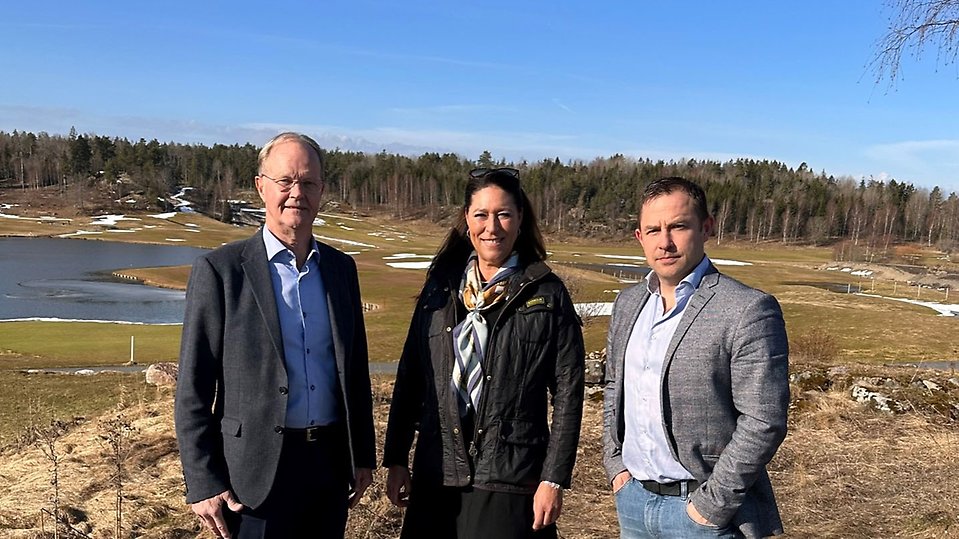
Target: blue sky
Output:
[{"x": 788, "y": 81}]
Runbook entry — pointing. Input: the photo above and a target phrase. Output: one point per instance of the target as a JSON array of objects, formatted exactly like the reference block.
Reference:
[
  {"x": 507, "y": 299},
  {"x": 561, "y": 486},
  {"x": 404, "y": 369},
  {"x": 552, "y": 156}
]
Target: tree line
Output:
[{"x": 752, "y": 200}]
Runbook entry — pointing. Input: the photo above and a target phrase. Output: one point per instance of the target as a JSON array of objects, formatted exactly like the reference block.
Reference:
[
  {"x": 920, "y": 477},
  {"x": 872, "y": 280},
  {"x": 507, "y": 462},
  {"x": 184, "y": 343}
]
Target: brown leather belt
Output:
[{"x": 674, "y": 488}]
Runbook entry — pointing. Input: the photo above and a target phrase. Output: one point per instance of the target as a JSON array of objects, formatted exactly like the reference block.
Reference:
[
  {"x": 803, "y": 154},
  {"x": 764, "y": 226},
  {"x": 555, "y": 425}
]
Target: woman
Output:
[{"x": 493, "y": 336}]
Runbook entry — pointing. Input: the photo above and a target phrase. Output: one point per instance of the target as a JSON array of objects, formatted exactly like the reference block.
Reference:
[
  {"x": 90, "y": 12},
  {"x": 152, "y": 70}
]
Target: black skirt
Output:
[{"x": 470, "y": 513}]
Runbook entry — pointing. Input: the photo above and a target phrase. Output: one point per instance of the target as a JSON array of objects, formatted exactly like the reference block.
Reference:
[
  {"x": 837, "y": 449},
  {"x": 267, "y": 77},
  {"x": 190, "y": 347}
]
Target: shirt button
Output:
[
  {"x": 283, "y": 390},
  {"x": 307, "y": 350},
  {"x": 312, "y": 388}
]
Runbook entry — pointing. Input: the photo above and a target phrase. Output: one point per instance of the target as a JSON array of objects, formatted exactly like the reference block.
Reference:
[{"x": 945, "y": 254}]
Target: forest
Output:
[{"x": 752, "y": 200}]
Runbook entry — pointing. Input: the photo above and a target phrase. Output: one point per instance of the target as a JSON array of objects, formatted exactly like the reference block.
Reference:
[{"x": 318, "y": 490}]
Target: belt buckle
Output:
[{"x": 312, "y": 434}]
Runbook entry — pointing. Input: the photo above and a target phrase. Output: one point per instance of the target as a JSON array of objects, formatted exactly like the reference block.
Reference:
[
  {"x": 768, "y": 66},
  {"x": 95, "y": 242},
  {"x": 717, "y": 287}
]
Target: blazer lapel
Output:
[
  {"x": 695, "y": 306},
  {"x": 256, "y": 270}
]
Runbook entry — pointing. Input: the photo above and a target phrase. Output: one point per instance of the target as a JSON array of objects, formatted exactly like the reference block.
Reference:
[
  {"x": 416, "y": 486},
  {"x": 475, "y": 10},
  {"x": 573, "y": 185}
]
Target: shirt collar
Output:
[
  {"x": 275, "y": 246},
  {"x": 687, "y": 285}
]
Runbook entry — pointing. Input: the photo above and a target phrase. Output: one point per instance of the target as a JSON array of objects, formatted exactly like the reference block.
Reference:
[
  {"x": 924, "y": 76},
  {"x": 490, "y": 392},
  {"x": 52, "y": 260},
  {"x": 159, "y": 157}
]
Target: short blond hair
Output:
[{"x": 283, "y": 137}]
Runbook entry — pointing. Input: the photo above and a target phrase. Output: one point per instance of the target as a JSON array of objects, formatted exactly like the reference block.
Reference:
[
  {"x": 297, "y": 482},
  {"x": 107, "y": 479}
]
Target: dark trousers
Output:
[
  {"x": 470, "y": 513},
  {"x": 310, "y": 494}
]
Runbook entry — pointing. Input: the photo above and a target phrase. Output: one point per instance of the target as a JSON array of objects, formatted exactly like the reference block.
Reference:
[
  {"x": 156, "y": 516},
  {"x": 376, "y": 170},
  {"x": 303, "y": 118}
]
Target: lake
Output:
[{"x": 69, "y": 279}]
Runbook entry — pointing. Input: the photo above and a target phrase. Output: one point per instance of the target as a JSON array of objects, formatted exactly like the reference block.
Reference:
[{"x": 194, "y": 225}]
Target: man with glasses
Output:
[
  {"x": 696, "y": 385},
  {"x": 273, "y": 404}
]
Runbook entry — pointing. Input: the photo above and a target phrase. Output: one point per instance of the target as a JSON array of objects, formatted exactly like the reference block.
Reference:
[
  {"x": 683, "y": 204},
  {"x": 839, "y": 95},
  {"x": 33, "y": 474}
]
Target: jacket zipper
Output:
[{"x": 482, "y": 408}]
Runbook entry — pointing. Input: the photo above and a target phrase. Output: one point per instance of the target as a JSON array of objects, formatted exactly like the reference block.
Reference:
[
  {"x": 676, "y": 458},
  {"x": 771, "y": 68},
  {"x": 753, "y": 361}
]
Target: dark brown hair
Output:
[
  {"x": 453, "y": 253},
  {"x": 671, "y": 184}
]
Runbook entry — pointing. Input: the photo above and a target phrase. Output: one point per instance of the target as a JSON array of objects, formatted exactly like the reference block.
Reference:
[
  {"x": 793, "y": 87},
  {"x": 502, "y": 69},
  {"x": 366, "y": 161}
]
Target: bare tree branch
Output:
[{"x": 914, "y": 26}]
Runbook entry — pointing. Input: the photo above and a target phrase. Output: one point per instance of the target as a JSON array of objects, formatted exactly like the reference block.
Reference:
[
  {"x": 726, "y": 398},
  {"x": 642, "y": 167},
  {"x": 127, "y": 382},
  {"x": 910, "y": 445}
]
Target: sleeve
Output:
[
  {"x": 567, "y": 394},
  {"x": 760, "y": 392},
  {"x": 362, "y": 431},
  {"x": 612, "y": 442},
  {"x": 200, "y": 374},
  {"x": 408, "y": 396}
]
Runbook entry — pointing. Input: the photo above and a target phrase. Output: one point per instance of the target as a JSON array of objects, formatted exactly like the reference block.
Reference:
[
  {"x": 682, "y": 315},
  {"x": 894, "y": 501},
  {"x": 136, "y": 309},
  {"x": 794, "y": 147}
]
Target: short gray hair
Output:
[{"x": 283, "y": 137}]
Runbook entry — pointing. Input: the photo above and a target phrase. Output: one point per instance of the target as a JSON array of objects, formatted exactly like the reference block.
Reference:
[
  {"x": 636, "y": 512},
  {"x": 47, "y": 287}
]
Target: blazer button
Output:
[
  {"x": 479, "y": 431},
  {"x": 456, "y": 430},
  {"x": 278, "y": 429},
  {"x": 489, "y": 377},
  {"x": 448, "y": 329},
  {"x": 283, "y": 390}
]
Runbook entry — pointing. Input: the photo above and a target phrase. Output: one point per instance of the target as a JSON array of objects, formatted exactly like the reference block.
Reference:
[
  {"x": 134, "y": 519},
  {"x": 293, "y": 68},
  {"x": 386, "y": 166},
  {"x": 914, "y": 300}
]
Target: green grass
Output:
[
  {"x": 77, "y": 344},
  {"x": 866, "y": 329}
]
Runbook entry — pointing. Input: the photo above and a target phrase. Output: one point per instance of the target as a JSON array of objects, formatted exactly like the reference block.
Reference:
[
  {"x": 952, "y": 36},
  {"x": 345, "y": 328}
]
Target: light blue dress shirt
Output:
[
  {"x": 646, "y": 452},
  {"x": 307, "y": 336}
]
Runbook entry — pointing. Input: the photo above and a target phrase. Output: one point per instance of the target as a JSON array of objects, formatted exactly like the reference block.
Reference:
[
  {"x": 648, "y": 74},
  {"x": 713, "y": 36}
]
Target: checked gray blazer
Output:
[
  {"x": 231, "y": 389},
  {"x": 725, "y": 394}
]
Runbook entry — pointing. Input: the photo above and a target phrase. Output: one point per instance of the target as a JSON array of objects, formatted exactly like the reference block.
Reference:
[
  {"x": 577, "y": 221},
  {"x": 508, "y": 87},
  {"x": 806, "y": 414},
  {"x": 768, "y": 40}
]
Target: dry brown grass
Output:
[
  {"x": 846, "y": 471},
  {"x": 843, "y": 471}
]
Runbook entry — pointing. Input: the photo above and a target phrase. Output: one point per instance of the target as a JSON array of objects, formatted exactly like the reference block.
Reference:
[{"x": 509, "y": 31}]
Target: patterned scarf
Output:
[{"x": 470, "y": 336}]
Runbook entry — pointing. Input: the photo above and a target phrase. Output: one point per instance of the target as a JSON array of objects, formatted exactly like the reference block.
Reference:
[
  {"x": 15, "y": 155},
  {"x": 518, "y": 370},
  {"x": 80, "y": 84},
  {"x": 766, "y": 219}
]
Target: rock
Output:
[
  {"x": 927, "y": 384},
  {"x": 839, "y": 370},
  {"x": 877, "y": 381},
  {"x": 595, "y": 367},
  {"x": 162, "y": 374},
  {"x": 810, "y": 380},
  {"x": 875, "y": 399}
]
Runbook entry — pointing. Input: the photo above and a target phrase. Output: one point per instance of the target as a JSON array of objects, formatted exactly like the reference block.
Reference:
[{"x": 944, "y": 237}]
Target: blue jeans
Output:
[{"x": 643, "y": 514}]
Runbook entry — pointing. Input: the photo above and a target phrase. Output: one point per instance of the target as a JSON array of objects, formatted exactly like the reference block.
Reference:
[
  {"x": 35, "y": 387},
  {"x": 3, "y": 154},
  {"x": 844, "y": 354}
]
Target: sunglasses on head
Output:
[{"x": 482, "y": 172}]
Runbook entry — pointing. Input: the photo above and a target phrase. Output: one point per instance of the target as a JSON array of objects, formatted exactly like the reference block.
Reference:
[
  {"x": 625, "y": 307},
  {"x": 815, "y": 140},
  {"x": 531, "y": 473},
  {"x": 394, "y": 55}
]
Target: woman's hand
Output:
[
  {"x": 547, "y": 505},
  {"x": 398, "y": 485}
]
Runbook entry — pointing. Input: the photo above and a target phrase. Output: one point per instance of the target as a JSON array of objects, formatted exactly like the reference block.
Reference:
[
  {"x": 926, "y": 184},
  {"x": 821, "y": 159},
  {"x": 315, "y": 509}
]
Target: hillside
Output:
[{"x": 846, "y": 469}]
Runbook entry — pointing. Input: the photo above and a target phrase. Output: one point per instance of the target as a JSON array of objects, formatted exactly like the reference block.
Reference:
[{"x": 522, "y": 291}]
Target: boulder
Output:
[
  {"x": 162, "y": 374},
  {"x": 595, "y": 367}
]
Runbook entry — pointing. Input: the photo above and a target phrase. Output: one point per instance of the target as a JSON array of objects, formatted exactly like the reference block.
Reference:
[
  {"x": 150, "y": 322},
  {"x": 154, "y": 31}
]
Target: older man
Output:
[
  {"x": 696, "y": 385},
  {"x": 273, "y": 403}
]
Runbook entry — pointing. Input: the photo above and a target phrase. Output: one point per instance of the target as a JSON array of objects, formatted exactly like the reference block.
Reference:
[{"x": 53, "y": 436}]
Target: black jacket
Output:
[{"x": 535, "y": 350}]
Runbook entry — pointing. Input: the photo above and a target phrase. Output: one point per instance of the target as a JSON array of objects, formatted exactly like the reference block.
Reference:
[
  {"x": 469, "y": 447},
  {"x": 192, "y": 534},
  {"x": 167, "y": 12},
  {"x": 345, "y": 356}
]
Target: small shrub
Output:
[{"x": 814, "y": 346}]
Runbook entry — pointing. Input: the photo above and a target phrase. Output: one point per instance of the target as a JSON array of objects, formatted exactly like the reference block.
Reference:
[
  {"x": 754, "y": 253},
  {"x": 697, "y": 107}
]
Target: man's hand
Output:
[
  {"x": 696, "y": 516},
  {"x": 620, "y": 480},
  {"x": 398, "y": 485},
  {"x": 547, "y": 506},
  {"x": 210, "y": 512},
  {"x": 363, "y": 478}
]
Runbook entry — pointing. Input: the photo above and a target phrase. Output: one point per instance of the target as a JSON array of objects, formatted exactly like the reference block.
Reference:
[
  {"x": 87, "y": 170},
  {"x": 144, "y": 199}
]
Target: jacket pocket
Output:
[
  {"x": 520, "y": 452},
  {"x": 533, "y": 321},
  {"x": 230, "y": 427}
]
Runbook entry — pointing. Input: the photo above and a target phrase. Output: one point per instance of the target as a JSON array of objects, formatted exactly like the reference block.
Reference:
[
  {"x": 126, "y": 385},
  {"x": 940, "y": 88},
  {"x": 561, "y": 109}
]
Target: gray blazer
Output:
[
  {"x": 725, "y": 393},
  {"x": 231, "y": 389}
]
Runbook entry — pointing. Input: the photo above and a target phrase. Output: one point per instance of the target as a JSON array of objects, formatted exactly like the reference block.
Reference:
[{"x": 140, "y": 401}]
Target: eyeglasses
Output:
[
  {"x": 285, "y": 184},
  {"x": 482, "y": 172}
]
